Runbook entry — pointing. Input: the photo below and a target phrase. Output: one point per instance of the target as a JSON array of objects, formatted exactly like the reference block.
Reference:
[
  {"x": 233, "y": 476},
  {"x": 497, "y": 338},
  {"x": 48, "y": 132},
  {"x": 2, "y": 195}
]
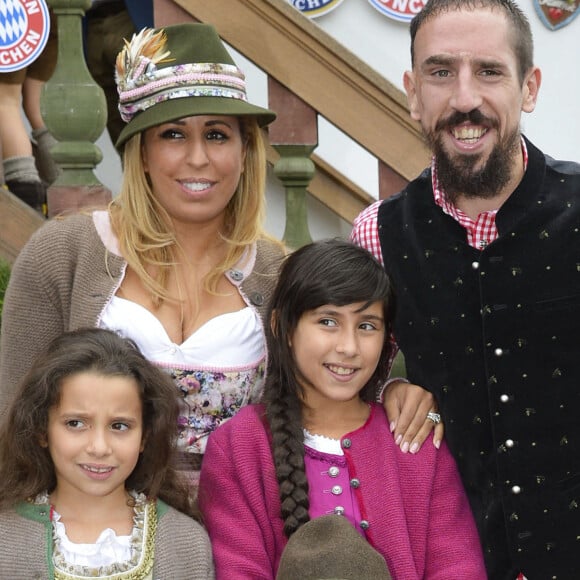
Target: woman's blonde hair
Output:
[{"x": 143, "y": 227}]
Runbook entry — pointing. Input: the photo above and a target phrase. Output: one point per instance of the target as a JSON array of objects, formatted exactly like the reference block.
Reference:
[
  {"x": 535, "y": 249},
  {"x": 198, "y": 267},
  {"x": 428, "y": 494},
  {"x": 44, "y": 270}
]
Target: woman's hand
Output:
[{"x": 407, "y": 406}]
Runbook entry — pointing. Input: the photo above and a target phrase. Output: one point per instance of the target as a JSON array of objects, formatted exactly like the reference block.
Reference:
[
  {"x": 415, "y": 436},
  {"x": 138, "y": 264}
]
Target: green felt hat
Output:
[
  {"x": 330, "y": 548},
  {"x": 176, "y": 72}
]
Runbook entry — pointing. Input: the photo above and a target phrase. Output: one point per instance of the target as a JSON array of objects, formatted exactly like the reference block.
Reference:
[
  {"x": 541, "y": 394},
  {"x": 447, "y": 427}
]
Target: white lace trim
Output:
[
  {"x": 322, "y": 443},
  {"x": 108, "y": 549}
]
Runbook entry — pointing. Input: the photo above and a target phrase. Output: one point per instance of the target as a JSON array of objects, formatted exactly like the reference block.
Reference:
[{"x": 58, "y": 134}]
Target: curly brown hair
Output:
[{"x": 26, "y": 467}]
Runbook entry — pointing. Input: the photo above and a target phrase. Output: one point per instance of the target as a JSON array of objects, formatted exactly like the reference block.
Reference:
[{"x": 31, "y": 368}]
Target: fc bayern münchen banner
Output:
[{"x": 24, "y": 28}]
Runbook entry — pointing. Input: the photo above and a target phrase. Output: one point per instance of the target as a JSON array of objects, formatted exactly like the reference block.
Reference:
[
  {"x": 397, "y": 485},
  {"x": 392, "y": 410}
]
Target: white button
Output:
[
  {"x": 333, "y": 471},
  {"x": 504, "y": 398},
  {"x": 475, "y": 265},
  {"x": 498, "y": 352},
  {"x": 516, "y": 489},
  {"x": 509, "y": 443},
  {"x": 336, "y": 490}
]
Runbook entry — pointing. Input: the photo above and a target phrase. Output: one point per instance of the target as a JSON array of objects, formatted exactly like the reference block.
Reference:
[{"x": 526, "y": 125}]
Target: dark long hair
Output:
[
  {"x": 324, "y": 272},
  {"x": 26, "y": 468}
]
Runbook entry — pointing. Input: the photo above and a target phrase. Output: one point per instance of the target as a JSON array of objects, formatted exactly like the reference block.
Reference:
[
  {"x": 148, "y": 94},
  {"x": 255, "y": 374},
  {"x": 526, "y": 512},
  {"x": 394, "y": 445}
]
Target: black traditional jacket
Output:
[{"x": 495, "y": 335}]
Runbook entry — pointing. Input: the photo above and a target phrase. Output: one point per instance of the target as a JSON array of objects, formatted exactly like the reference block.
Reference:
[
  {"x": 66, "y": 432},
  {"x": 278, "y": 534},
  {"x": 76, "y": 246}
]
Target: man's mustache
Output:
[{"x": 476, "y": 117}]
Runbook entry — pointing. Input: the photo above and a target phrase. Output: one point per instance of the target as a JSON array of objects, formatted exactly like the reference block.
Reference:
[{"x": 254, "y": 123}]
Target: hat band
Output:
[{"x": 151, "y": 86}]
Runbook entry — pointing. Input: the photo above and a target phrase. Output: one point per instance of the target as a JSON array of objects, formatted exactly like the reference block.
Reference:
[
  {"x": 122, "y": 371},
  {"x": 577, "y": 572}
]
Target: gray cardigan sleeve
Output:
[
  {"x": 182, "y": 548},
  {"x": 25, "y": 546},
  {"x": 60, "y": 281},
  {"x": 31, "y": 317}
]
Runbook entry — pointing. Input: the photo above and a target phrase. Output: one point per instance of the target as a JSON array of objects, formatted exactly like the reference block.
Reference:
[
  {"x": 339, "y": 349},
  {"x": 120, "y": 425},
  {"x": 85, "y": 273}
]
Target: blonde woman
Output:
[{"x": 179, "y": 261}]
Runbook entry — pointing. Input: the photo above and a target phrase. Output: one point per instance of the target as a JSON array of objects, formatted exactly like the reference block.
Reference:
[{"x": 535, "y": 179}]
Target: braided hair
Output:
[{"x": 325, "y": 272}]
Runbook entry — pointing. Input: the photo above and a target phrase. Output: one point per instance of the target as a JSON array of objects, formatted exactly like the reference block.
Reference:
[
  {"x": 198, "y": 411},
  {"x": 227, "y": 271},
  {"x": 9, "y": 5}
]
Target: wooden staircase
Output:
[{"x": 315, "y": 68}]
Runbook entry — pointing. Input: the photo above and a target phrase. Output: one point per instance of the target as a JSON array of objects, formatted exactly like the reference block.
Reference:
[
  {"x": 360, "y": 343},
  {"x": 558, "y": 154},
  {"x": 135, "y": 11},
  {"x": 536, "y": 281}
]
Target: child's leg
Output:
[
  {"x": 43, "y": 141},
  {"x": 20, "y": 173},
  {"x": 38, "y": 73},
  {"x": 22, "y": 179},
  {"x": 13, "y": 135}
]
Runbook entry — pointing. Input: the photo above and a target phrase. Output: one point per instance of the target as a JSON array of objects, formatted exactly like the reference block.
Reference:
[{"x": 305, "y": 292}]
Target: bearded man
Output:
[{"x": 484, "y": 252}]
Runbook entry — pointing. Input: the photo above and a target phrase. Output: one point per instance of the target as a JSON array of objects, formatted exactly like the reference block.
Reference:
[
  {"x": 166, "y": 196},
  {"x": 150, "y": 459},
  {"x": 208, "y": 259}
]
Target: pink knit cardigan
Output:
[{"x": 420, "y": 520}]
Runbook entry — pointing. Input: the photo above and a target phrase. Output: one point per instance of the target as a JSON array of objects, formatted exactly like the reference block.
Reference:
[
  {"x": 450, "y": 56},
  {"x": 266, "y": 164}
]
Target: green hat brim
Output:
[{"x": 180, "y": 108}]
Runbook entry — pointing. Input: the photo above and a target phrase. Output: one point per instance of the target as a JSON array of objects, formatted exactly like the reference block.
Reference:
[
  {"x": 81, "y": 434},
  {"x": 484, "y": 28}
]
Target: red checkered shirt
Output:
[{"x": 480, "y": 232}]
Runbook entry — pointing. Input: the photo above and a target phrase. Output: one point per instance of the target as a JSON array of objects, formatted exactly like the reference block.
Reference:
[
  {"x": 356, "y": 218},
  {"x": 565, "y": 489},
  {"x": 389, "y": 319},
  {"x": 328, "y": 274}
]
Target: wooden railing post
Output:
[
  {"x": 295, "y": 169},
  {"x": 294, "y": 135},
  {"x": 390, "y": 182},
  {"x": 74, "y": 109}
]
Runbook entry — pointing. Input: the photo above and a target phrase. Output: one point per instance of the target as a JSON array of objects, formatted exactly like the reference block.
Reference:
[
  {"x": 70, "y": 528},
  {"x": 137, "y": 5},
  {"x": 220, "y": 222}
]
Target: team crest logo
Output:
[
  {"x": 401, "y": 10},
  {"x": 315, "y": 8},
  {"x": 24, "y": 28},
  {"x": 557, "y": 13}
]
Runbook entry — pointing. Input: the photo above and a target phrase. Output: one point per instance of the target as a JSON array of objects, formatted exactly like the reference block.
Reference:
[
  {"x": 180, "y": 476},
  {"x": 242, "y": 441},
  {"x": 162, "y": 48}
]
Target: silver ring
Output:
[{"x": 435, "y": 417}]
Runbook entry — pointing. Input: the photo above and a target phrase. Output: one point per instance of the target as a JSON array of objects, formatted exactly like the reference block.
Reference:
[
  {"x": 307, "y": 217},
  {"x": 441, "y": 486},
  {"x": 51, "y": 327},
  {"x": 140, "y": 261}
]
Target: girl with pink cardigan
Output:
[{"x": 320, "y": 445}]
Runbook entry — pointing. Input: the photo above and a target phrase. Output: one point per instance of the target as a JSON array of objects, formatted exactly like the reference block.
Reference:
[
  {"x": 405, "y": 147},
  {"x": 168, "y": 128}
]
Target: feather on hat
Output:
[{"x": 177, "y": 72}]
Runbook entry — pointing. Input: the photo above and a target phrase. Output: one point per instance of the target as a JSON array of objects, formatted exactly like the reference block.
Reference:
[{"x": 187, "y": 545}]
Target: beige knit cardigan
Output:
[
  {"x": 182, "y": 546},
  {"x": 63, "y": 279}
]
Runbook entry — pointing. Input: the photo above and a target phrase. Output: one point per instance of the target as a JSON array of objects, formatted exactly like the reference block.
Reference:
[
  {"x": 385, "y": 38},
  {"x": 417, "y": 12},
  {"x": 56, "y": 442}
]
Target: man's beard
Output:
[{"x": 458, "y": 175}]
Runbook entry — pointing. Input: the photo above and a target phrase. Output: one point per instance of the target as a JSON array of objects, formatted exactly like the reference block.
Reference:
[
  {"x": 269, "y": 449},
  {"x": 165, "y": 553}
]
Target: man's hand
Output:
[{"x": 407, "y": 406}]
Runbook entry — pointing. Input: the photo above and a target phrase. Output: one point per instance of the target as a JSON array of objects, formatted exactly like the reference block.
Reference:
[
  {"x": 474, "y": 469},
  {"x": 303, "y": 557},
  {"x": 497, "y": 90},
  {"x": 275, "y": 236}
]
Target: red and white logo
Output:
[
  {"x": 315, "y": 8},
  {"x": 401, "y": 10},
  {"x": 556, "y": 14},
  {"x": 24, "y": 28}
]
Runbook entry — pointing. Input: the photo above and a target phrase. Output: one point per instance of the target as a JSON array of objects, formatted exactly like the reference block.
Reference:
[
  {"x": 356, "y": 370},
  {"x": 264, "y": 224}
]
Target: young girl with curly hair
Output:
[{"x": 87, "y": 486}]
